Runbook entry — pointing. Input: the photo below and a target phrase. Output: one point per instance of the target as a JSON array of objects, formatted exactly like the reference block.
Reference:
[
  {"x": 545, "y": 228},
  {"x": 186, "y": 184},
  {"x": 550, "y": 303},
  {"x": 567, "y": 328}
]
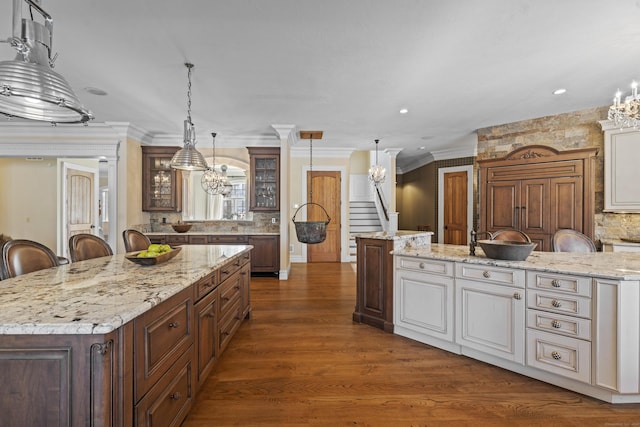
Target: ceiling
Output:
[{"x": 344, "y": 67}]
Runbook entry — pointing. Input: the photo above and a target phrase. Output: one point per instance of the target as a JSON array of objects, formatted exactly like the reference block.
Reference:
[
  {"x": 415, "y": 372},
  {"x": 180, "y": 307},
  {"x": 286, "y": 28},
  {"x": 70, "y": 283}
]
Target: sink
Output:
[{"x": 507, "y": 249}]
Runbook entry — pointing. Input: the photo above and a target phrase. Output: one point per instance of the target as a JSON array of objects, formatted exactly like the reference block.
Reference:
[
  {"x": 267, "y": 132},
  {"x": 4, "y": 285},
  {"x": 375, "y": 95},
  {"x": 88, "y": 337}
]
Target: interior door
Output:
[
  {"x": 81, "y": 202},
  {"x": 326, "y": 192},
  {"x": 455, "y": 207}
]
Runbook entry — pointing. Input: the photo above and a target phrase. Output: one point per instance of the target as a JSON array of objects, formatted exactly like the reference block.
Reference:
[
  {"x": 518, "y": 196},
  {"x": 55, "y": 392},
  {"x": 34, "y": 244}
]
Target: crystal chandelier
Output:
[
  {"x": 188, "y": 158},
  {"x": 627, "y": 113},
  {"x": 29, "y": 88},
  {"x": 212, "y": 181},
  {"x": 377, "y": 172}
]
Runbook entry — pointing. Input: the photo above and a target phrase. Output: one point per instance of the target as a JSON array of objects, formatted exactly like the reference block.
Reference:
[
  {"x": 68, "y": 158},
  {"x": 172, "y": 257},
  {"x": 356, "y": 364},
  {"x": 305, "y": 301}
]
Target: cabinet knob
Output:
[
  {"x": 421, "y": 265},
  {"x": 556, "y": 324},
  {"x": 555, "y": 283},
  {"x": 556, "y": 355},
  {"x": 517, "y": 296},
  {"x": 556, "y": 303},
  {"x": 174, "y": 324},
  {"x": 175, "y": 396},
  {"x": 486, "y": 274}
]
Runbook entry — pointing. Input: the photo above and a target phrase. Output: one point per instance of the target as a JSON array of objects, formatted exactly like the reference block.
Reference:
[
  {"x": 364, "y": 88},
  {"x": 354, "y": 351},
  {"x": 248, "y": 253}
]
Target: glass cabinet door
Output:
[
  {"x": 265, "y": 179},
  {"x": 161, "y": 183}
]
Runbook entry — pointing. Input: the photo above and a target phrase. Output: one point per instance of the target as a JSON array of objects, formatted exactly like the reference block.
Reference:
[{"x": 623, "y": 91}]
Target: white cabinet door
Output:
[
  {"x": 424, "y": 303},
  {"x": 491, "y": 318}
]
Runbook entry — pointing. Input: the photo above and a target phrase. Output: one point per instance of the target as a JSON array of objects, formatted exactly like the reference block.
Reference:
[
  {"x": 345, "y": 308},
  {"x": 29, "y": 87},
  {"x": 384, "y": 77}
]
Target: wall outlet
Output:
[{"x": 273, "y": 220}]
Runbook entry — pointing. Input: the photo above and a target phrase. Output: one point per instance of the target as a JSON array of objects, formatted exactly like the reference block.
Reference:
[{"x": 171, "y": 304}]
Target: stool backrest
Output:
[
  {"x": 135, "y": 241},
  {"x": 21, "y": 256},
  {"x": 87, "y": 246}
]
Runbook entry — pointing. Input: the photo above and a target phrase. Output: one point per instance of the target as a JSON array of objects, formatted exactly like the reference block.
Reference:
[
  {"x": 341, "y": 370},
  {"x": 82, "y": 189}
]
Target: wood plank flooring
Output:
[{"x": 301, "y": 361}]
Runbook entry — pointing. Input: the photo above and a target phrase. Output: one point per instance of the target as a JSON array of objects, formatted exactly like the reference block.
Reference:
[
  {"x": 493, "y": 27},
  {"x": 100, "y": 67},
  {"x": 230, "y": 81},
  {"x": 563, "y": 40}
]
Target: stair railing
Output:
[{"x": 381, "y": 207}]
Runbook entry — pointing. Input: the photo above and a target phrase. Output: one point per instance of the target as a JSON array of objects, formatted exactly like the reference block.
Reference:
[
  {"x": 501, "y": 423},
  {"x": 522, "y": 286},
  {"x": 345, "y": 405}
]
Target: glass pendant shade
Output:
[
  {"x": 377, "y": 173},
  {"x": 214, "y": 182},
  {"x": 29, "y": 88}
]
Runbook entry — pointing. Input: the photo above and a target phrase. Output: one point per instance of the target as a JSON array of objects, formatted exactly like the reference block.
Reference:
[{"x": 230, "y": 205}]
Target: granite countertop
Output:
[
  {"x": 99, "y": 295},
  {"x": 210, "y": 233},
  {"x": 606, "y": 265},
  {"x": 401, "y": 238}
]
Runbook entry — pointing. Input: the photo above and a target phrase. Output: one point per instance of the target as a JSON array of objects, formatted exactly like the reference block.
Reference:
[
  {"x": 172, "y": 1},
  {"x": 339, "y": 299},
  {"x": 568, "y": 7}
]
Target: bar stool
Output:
[
  {"x": 567, "y": 240},
  {"x": 135, "y": 241},
  {"x": 87, "y": 246},
  {"x": 510, "y": 234},
  {"x": 21, "y": 256}
]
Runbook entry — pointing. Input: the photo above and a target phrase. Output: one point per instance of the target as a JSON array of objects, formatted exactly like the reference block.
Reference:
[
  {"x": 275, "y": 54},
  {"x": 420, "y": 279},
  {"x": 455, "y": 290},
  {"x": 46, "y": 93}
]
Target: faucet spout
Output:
[{"x": 473, "y": 242}]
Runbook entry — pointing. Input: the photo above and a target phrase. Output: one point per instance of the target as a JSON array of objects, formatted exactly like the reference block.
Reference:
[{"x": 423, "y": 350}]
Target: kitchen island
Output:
[
  {"x": 568, "y": 319},
  {"x": 109, "y": 342}
]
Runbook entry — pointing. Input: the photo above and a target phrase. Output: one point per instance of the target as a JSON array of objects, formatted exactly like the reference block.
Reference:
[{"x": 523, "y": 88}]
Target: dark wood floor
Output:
[{"x": 301, "y": 361}]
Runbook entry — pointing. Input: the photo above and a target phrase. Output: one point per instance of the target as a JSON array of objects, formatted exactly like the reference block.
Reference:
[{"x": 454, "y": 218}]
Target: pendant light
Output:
[
  {"x": 29, "y": 88},
  {"x": 212, "y": 181},
  {"x": 377, "y": 172},
  {"x": 188, "y": 158}
]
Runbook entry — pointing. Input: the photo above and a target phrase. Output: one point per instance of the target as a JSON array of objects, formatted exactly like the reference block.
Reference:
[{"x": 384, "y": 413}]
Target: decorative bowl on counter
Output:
[
  {"x": 507, "y": 249},
  {"x": 181, "y": 227},
  {"x": 158, "y": 259}
]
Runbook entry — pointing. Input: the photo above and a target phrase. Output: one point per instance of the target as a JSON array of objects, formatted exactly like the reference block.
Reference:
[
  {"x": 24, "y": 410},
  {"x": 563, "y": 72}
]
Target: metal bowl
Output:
[
  {"x": 507, "y": 249},
  {"x": 181, "y": 227}
]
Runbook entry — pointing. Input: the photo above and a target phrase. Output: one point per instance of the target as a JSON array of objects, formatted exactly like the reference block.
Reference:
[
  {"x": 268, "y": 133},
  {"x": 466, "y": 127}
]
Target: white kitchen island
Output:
[{"x": 572, "y": 320}]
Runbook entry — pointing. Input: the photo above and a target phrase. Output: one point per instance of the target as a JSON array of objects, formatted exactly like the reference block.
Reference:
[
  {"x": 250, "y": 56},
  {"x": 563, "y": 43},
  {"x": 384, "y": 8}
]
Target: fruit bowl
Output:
[
  {"x": 506, "y": 249},
  {"x": 181, "y": 227},
  {"x": 158, "y": 259}
]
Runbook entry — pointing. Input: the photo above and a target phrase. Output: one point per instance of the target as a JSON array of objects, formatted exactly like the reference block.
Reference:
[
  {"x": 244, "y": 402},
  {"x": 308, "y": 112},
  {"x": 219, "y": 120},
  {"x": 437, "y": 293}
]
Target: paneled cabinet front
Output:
[
  {"x": 265, "y": 178},
  {"x": 161, "y": 184}
]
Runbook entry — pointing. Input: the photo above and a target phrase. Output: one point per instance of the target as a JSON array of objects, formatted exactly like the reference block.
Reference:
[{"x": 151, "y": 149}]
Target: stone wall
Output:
[{"x": 568, "y": 131}]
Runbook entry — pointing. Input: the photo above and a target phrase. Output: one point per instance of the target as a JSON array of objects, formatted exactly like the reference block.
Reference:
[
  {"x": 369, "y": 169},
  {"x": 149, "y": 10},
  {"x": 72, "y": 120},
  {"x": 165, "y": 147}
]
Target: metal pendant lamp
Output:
[
  {"x": 29, "y": 88},
  {"x": 188, "y": 158}
]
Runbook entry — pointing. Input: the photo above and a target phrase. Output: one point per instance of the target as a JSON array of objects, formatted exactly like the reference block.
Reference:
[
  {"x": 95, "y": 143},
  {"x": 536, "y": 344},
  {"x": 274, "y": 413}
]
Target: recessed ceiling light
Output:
[
  {"x": 422, "y": 148},
  {"x": 95, "y": 91},
  {"x": 559, "y": 91},
  {"x": 404, "y": 111}
]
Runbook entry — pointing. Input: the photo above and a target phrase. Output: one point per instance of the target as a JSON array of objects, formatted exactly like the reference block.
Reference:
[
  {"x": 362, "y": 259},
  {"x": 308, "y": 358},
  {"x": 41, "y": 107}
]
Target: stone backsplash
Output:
[{"x": 262, "y": 223}]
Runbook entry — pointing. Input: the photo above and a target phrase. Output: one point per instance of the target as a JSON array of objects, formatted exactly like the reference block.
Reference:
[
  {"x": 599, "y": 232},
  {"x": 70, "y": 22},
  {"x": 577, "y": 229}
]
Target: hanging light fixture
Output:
[
  {"x": 626, "y": 114},
  {"x": 29, "y": 88},
  {"x": 213, "y": 182},
  {"x": 377, "y": 172},
  {"x": 188, "y": 158}
]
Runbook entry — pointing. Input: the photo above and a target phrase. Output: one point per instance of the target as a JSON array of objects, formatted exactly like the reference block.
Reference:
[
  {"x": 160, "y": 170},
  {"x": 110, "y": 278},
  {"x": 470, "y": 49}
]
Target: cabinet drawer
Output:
[
  {"x": 559, "y": 324},
  {"x": 568, "y": 357},
  {"x": 559, "y": 303},
  {"x": 491, "y": 274},
  {"x": 161, "y": 335},
  {"x": 559, "y": 282},
  {"x": 175, "y": 239},
  {"x": 444, "y": 268},
  {"x": 231, "y": 239},
  {"x": 198, "y": 240},
  {"x": 206, "y": 285},
  {"x": 229, "y": 292},
  {"x": 229, "y": 323},
  {"x": 169, "y": 401},
  {"x": 230, "y": 268}
]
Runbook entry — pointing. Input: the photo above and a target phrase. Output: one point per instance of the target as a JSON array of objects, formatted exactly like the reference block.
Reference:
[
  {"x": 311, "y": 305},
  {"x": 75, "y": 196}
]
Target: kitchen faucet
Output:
[{"x": 474, "y": 240}]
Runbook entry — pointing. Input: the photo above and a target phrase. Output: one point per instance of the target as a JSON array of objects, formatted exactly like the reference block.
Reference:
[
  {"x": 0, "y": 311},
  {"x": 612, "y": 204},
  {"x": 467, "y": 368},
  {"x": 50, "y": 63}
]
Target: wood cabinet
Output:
[
  {"x": 266, "y": 254},
  {"x": 538, "y": 190},
  {"x": 161, "y": 184},
  {"x": 265, "y": 178},
  {"x": 374, "y": 301}
]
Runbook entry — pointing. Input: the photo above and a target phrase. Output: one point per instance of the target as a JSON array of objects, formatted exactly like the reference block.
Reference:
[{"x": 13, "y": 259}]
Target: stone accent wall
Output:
[
  {"x": 568, "y": 131},
  {"x": 261, "y": 223}
]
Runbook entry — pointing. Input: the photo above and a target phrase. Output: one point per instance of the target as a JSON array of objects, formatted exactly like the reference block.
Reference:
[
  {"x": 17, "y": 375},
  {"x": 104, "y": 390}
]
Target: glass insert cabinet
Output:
[
  {"x": 265, "y": 178},
  {"x": 161, "y": 189}
]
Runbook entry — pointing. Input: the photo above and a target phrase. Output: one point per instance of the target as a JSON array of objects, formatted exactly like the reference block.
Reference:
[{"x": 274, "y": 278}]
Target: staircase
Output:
[{"x": 363, "y": 218}]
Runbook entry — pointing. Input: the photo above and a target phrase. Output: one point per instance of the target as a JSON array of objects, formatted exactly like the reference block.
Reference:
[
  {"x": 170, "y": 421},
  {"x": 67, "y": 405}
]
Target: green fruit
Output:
[
  {"x": 154, "y": 247},
  {"x": 165, "y": 248}
]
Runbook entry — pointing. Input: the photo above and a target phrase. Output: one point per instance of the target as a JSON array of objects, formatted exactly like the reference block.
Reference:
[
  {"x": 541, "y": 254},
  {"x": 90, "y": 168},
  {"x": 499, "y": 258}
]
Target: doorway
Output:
[
  {"x": 80, "y": 195},
  {"x": 325, "y": 186},
  {"x": 455, "y": 204}
]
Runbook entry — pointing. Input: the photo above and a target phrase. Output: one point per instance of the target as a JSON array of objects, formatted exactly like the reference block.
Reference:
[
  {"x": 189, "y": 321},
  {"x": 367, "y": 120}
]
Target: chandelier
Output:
[
  {"x": 212, "y": 181},
  {"x": 188, "y": 158},
  {"x": 627, "y": 113},
  {"x": 29, "y": 88},
  {"x": 377, "y": 172}
]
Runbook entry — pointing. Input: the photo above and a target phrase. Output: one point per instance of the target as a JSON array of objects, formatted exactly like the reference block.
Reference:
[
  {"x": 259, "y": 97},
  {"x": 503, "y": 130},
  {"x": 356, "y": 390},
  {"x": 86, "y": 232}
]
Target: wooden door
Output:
[
  {"x": 503, "y": 197},
  {"x": 326, "y": 192},
  {"x": 566, "y": 203},
  {"x": 455, "y": 207},
  {"x": 533, "y": 210},
  {"x": 81, "y": 202}
]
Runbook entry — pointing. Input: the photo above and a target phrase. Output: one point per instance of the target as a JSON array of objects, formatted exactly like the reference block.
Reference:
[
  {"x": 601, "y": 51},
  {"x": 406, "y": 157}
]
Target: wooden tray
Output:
[{"x": 132, "y": 256}]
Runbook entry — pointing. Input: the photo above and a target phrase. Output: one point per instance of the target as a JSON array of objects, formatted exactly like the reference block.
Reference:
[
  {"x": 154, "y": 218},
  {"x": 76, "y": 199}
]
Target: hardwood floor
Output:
[{"x": 300, "y": 360}]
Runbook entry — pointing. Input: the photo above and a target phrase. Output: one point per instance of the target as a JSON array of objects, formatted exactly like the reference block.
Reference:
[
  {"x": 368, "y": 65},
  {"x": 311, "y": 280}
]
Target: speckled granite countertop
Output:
[
  {"x": 606, "y": 265},
  {"x": 401, "y": 238},
  {"x": 217, "y": 233},
  {"x": 100, "y": 295}
]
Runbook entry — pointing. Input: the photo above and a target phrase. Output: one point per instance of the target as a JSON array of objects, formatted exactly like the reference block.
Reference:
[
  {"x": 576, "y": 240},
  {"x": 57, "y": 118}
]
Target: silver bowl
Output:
[{"x": 507, "y": 249}]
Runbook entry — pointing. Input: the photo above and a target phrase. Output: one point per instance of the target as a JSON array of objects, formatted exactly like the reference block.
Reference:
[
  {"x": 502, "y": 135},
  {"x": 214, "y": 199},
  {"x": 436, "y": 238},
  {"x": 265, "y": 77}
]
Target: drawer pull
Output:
[
  {"x": 555, "y": 283},
  {"x": 175, "y": 396},
  {"x": 556, "y": 355},
  {"x": 421, "y": 265},
  {"x": 486, "y": 274},
  {"x": 556, "y": 324},
  {"x": 556, "y": 303},
  {"x": 174, "y": 324},
  {"x": 517, "y": 296}
]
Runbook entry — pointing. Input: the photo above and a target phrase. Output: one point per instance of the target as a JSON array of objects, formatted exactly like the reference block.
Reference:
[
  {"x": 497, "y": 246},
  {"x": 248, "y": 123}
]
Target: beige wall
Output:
[
  {"x": 360, "y": 162},
  {"x": 416, "y": 195}
]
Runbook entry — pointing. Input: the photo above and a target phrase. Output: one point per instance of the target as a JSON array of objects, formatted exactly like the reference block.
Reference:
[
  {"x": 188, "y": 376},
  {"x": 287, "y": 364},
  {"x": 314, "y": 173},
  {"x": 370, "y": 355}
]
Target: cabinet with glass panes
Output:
[
  {"x": 265, "y": 178},
  {"x": 161, "y": 189}
]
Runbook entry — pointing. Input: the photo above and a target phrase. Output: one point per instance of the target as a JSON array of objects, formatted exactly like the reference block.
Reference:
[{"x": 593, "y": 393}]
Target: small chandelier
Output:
[
  {"x": 377, "y": 172},
  {"x": 188, "y": 158},
  {"x": 626, "y": 114},
  {"x": 29, "y": 88},
  {"x": 212, "y": 181}
]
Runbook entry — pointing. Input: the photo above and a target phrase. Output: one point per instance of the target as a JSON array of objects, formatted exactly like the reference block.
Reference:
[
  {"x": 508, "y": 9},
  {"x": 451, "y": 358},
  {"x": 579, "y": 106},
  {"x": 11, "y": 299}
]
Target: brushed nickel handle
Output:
[
  {"x": 555, "y": 283},
  {"x": 174, "y": 324},
  {"x": 486, "y": 274},
  {"x": 556, "y": 303},
  {"x": 175, "y": 396},
  {"x": 556, "y": 355},
  {"x": 556, "y": 324},
  {"x": 421, "y": 265},
  {"x": 517, "y": 296}
]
